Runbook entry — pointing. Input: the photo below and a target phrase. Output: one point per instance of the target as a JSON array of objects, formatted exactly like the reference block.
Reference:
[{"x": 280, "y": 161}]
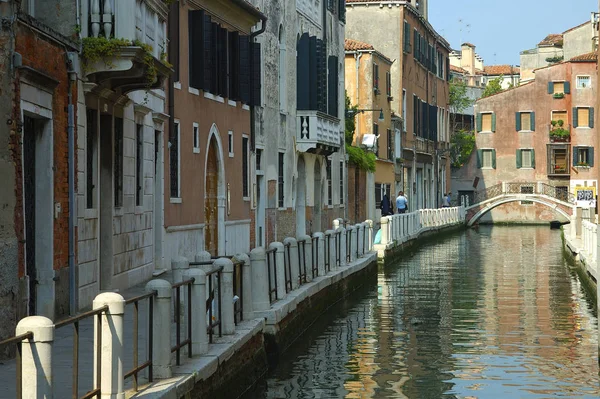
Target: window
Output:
[
  {"x": 333, "y": 83},
  {"x": 486, "y": 159},
  {"x": 378, "y": 195},
  {"x": 388, "y": 86},
  {"x": 390, "y": 147},
  {"x": 329, "y": 185},
  {"x": 230, "y": 143},
  {"x": 583, "y": 82},
  {"x": 527, "y": 190},
  {"x": 583, "y": 117},
  {"x": 342, "y": 10},
  {"x": 196, "y": 133},
  {"x": 91, "y": 155},
  {"x": 118, "y": 162},
  {"x": 139, "y": 165},
  {"x": 525, "y": 121},
  {"x": 525, "y": 158},
  {"x": 259, "y": 152},
  {"x": 311, "y": 74},
  {"x": 282, "y": 72},
  {"x": 341, "y": 182},
  {"x": 280, "y": 181},
  {"x": 404, "y": 110},
  {"x": 558, "y": 156},
  {"x": 415, "y": 114},
  {"x": 583, "y": 156},
  {"x": 406, "y": 37},
  {"x": 376, "y": 78},
  {"x": 558, "y": 88},
  {"x": 559, "y": 116},
  {"x": 486, "y": 122},
  {"x": 174, "y": 160},
  {"x": 245, "y": 169}
]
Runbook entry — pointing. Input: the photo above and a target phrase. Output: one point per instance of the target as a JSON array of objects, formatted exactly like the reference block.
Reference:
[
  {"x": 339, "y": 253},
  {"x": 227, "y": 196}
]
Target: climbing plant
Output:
[{"x": 364, "y": 160}]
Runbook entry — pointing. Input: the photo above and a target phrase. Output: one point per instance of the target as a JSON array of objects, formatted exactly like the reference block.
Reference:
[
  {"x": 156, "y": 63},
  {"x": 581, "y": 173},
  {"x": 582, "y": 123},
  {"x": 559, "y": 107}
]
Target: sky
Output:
[{"x": 501, "y": 30}]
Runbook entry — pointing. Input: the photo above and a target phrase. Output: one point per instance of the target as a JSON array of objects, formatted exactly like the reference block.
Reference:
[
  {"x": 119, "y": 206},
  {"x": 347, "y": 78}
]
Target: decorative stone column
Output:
[{"x": 260, "y": 280}]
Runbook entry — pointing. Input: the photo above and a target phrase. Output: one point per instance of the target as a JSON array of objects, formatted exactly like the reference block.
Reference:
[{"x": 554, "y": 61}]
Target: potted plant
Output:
[
  {"x": 583, "y": 164},
  {"x": 558, "y": 133},
  {"x": 559, "y": 95}
]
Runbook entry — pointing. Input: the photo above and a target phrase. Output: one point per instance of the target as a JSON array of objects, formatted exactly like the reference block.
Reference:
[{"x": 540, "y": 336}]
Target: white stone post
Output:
[
  {"x": 343, "y": 259},
  {"x": 336, "y": 224},
  {"x": 161, "y": 326},
  {"x": 307, "y": 256},
  {"x": 360, "y": 230},
  {"x": 385, "y": 239},
  {"x": 578, "y": 220},
  {"x": 370, "y": 237},
  {"x": 199, "y": 336},
  {"x": 293, "y": 259},
  {"x": 111, "y": 351},
  {"x": 280, "y": 265},
  {"x": 320, "y": 252},
  {"x": 179, "y": 264},
  {"x": 247, "y": 310},
  {"x": 227, "y": 319},
  {"x": 203, "y": 256},
  {"x": 330, "y": 236},
  {"x": 36, "y": 356},
  {"x": 503, "y": 187},
  {"x": 260, "y": 280}
]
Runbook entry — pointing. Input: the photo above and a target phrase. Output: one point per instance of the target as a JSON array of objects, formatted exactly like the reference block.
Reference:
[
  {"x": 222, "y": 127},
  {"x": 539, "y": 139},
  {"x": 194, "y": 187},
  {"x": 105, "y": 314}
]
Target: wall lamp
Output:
[{"x": 351, "y": 113}]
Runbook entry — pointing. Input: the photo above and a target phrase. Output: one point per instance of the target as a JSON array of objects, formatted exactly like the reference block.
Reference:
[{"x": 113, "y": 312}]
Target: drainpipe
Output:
[
  {"x": 71, "y": 166},
  {"x": 357, "y": 57},
  {"x": 263, "y": 27}
]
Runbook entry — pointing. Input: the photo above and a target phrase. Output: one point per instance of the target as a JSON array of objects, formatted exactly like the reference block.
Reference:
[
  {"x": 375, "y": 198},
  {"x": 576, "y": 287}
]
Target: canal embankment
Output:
[{"x": 580, "y": 249}]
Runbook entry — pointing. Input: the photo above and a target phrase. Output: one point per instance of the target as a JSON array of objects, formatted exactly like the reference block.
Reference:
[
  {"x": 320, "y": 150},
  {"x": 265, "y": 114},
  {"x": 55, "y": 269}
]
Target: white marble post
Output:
[
  {"x": 330, "y": 240},
  {"x": 36, "y": 356},
  {"x": 227, "y": 319},
  {"x": 199, "y": 336},
  {"x": 343, "y": 259},
  {"x": 307, "y": 256},
  {"x": 161, "y": 326},
  {"x": 320, "y": 251},
  {"x": 385, "y": 239},
  {"x": 247, "y": 310},
  {"x": 260, "y": 280}
]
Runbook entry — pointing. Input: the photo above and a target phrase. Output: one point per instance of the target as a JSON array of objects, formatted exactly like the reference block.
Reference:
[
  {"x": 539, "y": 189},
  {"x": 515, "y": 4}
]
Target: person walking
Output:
[
  {"x": 385, "y": 206},
  {"x": 446, "y": 201},
  {"x": 401, "y": 203}
]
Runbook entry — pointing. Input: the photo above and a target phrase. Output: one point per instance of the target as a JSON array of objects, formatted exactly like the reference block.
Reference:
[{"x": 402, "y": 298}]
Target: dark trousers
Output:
[{"x": 402, "y": 210}]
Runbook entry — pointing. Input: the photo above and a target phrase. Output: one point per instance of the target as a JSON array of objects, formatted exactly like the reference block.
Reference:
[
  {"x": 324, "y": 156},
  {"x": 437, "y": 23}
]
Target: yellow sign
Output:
[{"x": 585, "y": 193}]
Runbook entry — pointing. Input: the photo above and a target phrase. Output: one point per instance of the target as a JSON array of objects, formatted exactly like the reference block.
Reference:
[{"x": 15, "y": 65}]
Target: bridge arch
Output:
[{"x": 486, "y": 207}]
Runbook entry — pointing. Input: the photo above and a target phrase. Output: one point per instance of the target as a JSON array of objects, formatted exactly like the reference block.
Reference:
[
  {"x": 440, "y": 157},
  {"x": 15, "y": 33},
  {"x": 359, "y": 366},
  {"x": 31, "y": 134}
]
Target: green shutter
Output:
[
  {"x": 575, "y": 121},
  {"x": 533, "y": 158},
  {"x": 479, "y": 121},
  {"x": 591, "y": 116},
  {"x": 575, "y": 155},
  {"x": 494, "y": 159},
  {"x": 591, "y": 156},
  {"x": 533, "y": 121},
  {"x": 479, "y": 158},
  {"x": 567, "y": 87},
  {"x": 493, "y": 122},
  {"x": 519, "y": 159},
  {"x": 518, "y": 121},
  {"x": 550, "y": 87}
]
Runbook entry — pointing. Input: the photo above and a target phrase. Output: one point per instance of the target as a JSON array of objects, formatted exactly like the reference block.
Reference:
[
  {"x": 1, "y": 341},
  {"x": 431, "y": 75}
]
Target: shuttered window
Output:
[
  {"x": 376, "y": 78},
  {"x": 559, "y": 87},
  {"x": 560, "y": 116},
  {"x": 342, "y": 167},
  {"x": 245, "y": 169},
  {"x": 280, "y": 181},
  {"x": 244, "y": 72},
  {"x": 329, "y": 187},
  {"x": 583, "y": 117},
  {"x": 388, "y": 85},
  {"x": 406, "y": 37},
  {"x": 486, "y": 122},
  {"x": 139, "y": 165},
  {"x": 583, "y": 156},
  {"x": 256, "y": 75},
  {"x": 174, "y": 161},
  {"x": 332, "y": 98},
  {"x": 390, "y": 148},
  {"x": 487, "y": 158}
]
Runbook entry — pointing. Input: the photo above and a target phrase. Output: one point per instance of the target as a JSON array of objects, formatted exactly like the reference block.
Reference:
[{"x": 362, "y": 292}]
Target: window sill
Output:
[
  {"x": 232, "y": 103},
  {"x": 231, "y": 155},
  {"x": 193, "y": 91},
  {"x": 139, "y": 209},
  {"x": 90, "y": 213},
  {"x": 213, "y": 97},
  {"x": 175, "y": 200},
  {"x": 524, "y": 168},
  {"x": 177, "y": 85},
  {"x": 196, "y": 150},
  {"x": 245, "y": 107},
  {"x": 246, "y": 199},
  {"x": 584, "y": 127},
  {"x": 118, "y": 211},
  {"x": 486, "y": 131},
  {"x": 282, "y": 209},
  {"x": 526, "y": 131},
  {"x": 487, "y": 168}
]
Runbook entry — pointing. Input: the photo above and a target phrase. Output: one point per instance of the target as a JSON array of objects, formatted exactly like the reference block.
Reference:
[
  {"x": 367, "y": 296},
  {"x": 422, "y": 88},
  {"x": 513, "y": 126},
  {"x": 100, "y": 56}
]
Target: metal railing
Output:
[
  {"x": 187, "y": 342},
  {"x": 213, "y": 321},
  {"x": 338, "y": 244},
  {"x": 302, "y": 261},
  {"x": 560, "y": 193},
  {"x": 148, "y": 363},
  {"x": 315, "y": 256},
  {"x": 18, "y": 341},
  {"x": 348, "y": 246},
  {"x": 287, "y": 262},
  {"x": 238, "y": 291},
  {"x": 520, "y": 188},
  {"x": 327, "y": 253},
  {"x": 272, "y": 273},
  {"x": 487, "y": 193},
  {"x": 75, "y": 322}
]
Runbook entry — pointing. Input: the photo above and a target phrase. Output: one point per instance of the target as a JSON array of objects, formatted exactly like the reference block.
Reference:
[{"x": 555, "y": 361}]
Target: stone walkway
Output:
[{"x": 62, "y": 362}]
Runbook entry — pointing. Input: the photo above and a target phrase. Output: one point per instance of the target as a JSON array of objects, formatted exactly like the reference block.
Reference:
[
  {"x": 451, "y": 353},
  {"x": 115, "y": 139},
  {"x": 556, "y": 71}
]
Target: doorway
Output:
[
  {"x": 318, "y": 195},
  {"x": 38, "y": 206},
  {"x": 158, "y": 199},
  {"x": 211, "y": 208},
  {"x": 301, "y": 199}
]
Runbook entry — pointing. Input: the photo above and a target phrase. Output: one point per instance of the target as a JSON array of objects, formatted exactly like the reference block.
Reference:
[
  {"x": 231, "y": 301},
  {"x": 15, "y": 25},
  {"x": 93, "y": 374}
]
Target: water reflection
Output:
[{"x": 489, "y": 313}]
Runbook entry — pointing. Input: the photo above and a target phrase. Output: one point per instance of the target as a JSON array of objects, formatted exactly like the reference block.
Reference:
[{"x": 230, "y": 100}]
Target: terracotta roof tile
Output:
[
  {"x": 589, "y": 57},
  {"x": 552, "y": 39},
  {"x": 496, "y": 70},
  {"x": 458, "y": 69},
  {"x": 354, "y": 45},
  {"x": 468, "y": 44}
]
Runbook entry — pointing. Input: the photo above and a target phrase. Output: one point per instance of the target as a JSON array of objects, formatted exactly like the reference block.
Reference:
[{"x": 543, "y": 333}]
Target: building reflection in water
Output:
[{"x": 492, "y": 312}]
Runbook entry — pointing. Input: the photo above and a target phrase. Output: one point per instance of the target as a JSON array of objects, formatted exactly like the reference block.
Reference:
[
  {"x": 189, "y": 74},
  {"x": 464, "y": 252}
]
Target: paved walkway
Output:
[{"x": 62, "y": 362}]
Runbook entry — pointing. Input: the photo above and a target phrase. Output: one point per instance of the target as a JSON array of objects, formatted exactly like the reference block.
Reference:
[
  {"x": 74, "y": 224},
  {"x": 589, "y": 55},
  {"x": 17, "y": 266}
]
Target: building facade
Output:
[
  {"x": 299, "y": 167},
  {"x": 369, "y": 87},
  {"x": 419, "y": 87},
  {"x": 540, "y": 132},
  {"x": 207, "y": 176}
]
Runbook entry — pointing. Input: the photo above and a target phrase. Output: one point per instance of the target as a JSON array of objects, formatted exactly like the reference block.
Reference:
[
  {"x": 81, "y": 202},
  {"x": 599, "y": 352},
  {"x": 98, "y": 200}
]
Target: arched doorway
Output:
[
  {"x": 301, "y": 199},
  {"x": 211, "y": 201},
  {"x": 318, "y": 195}
]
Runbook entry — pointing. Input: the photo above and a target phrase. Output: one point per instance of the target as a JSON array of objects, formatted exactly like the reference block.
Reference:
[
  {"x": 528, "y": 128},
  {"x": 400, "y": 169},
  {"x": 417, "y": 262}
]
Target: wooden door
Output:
[{"x": 211, "y": 209}]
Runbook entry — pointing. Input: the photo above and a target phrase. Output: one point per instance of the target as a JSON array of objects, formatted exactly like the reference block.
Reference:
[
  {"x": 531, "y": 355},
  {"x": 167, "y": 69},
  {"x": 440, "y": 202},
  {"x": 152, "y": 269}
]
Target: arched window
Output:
[{"x": 282, "y": 73}]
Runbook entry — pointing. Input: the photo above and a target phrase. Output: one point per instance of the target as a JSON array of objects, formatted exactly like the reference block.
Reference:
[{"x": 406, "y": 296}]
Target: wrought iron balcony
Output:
[
  {"x": 124, "y": 43},
  {"x": 318, "y": 132}
]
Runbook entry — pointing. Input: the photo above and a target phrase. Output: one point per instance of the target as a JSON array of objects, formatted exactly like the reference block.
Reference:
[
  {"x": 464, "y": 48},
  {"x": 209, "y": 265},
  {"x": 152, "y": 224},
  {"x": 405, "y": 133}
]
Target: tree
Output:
[
  {"x": 459, "y": 100},
  {"x": 364, "y": 160},
  {"x": 462, "y": 144},
  {"x": 492, "y": 87}
]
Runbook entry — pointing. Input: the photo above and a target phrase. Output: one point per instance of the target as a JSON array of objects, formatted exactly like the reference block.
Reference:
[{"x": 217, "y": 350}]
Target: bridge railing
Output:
[{"x": 560, "y": 193}]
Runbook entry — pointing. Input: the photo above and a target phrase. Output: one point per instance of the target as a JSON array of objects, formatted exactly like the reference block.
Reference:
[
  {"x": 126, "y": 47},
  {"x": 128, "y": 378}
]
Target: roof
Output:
[
  {"x": 553, "y": 39},
  {"x": 588, "y": 57},
  {"x": 496, "y": 70},
  {"x": 468, "y": 44},
  {"x": 458, "y": 69},
  {"x": 354, "y": 45},
  {"x": 247, "y": 6},
  {"x": 578, "y": 26}
]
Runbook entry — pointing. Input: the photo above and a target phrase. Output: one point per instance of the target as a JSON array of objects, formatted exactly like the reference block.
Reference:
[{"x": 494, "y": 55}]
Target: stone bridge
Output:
[{"x": 557, "y": 198}]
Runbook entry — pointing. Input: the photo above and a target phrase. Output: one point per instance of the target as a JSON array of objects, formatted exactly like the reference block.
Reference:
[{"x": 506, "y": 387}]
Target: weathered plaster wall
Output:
[{"x": 578, "y": 40}]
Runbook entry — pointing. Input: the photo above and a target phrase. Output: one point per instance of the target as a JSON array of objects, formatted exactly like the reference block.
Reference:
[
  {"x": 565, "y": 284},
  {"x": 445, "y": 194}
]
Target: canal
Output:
[{"x": 492, "y": 312}]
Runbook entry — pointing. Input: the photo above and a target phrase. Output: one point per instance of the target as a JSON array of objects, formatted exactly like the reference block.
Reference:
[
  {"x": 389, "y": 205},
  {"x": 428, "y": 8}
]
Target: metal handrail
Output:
[
  {"x": 75, "y": 322},
  {"x": 238, "y": 306},
  {"x": 315, "y": 256},
  {"x": 148, "y": 363},
  {"x": 272, "y": 287},
  {"x": 287, "y": 266},
  {"x": 18, "y": 340},
  {"x": 338, "y": 244},
  {"x": 327, "y": 253},
  {"x": 302, "y": 265},
  {"x": 210, "y": 329},
  {"x": 180, "y": 344}
]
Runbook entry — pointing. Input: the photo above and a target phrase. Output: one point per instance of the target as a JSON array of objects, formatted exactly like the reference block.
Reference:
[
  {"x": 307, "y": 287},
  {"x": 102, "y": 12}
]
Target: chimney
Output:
[
  {"x": 468, "y": 57},
  {"x": 423, "y": 7}
]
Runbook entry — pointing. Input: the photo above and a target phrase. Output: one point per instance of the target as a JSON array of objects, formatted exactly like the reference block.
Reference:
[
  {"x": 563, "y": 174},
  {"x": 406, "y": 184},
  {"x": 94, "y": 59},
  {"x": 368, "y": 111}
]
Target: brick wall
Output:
[{"x": 357, "y": 195}]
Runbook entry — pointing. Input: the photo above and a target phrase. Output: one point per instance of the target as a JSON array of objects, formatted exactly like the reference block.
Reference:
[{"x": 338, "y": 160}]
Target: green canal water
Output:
[{"x": 492, "y": 312}]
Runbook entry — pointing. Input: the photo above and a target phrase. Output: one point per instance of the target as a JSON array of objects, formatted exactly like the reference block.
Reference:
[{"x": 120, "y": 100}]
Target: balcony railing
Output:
[
  {"x": 424, "y": 146},
  {"x": 317, "y": 132},
  {"x": 559, "y": 134}
]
